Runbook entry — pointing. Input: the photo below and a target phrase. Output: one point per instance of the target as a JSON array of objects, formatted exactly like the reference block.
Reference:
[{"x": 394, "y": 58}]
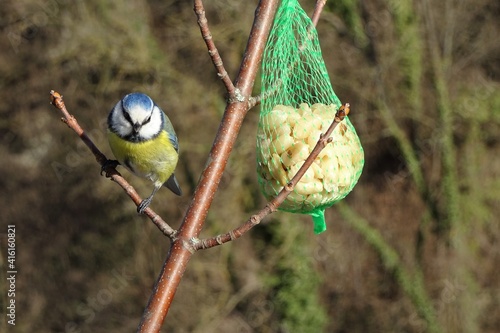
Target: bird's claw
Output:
[
  {"x": 109, "y": 164},
  {"x": 143, "y": 205}
]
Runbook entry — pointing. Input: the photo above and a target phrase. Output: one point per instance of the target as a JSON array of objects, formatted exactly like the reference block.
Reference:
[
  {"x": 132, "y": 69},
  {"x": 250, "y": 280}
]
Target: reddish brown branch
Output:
[
  {"x": 57, "y": 100},
  {"x": 273, "y": 205},
  {"x": 183, "y": 247},
  {"x": 212, "y": 50},
  {"x": 317, "y": 11}
]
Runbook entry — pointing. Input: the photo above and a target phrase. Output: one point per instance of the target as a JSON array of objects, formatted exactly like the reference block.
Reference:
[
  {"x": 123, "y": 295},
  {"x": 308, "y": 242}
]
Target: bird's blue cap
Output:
[{"x": 137, "y": 100}]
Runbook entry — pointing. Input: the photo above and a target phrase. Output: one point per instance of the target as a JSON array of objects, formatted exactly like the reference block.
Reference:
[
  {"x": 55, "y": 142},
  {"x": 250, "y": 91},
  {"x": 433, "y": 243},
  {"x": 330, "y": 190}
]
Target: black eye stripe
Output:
[
  {"x": 127, "y": 117},
  {"x": 148, "y": 119}
]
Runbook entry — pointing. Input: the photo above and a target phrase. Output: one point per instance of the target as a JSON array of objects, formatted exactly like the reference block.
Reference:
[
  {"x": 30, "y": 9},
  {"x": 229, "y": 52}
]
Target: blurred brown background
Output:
[{"x": 414, "y": 248}]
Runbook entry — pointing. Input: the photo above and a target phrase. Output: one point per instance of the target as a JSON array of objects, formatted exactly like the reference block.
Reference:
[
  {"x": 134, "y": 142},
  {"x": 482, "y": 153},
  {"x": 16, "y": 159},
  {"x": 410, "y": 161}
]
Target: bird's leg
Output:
[{"x": 145, "y": 203}]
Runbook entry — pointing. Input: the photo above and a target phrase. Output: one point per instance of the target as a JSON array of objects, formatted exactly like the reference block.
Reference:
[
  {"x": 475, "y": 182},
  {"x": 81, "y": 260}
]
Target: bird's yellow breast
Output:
[{"x": 154, "y": 159}]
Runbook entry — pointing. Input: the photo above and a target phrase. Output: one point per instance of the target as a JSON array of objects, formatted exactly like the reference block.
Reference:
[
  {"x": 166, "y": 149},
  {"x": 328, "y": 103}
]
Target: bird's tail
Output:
[{"x": 173, "y": 185}]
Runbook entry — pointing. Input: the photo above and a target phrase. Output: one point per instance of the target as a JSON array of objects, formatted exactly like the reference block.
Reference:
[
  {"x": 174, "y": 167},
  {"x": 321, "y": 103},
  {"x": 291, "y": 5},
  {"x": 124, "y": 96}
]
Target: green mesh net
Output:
[{"x": 298, "y": 104}]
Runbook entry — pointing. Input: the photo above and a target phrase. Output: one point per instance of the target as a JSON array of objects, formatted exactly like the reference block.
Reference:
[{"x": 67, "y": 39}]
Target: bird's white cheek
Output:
[
  {"x": 149, "y": 131},
  {"x": 124, "y": 129}
]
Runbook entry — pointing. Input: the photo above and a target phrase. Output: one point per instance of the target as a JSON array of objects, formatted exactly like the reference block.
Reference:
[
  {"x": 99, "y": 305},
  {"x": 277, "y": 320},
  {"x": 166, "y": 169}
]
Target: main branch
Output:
[{"x": 182, "y": 248}]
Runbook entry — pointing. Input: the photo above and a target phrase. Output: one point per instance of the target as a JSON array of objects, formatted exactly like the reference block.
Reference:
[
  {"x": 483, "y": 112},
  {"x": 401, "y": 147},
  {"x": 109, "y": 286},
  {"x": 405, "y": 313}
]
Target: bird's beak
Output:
[{"x": 136, "y": 127}]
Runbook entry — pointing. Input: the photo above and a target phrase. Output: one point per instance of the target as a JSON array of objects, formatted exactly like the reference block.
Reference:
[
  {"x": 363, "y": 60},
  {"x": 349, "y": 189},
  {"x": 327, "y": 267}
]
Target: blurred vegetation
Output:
[{"x": 414, "y": 248}]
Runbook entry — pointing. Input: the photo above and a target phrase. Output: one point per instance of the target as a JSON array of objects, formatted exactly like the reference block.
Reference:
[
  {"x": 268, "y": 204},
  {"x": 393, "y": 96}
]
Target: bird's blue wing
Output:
[
  {"x": 174, "y": 141},
  {"x": 167, "y": 126}
]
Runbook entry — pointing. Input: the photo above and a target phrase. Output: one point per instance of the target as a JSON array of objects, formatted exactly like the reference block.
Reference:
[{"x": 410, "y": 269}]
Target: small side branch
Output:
[
  {"x": 212, "y": 49},
  {"x": 110, "y": 170},
  {"x": 273, "y": 205},
  {"x": 317, "y": 11}
]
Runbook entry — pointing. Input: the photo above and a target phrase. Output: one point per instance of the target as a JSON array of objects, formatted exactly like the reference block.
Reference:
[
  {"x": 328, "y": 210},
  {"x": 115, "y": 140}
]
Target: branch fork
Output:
[{"x": 185, "y": 241}]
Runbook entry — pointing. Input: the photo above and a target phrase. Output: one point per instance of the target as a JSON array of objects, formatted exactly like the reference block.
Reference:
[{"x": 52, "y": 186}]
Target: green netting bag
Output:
[{"x": 298, "y": 104}]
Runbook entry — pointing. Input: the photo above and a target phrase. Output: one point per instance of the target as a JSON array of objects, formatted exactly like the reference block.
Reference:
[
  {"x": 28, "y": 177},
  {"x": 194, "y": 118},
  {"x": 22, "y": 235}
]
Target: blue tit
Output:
[{"x": 143, "y": 140}]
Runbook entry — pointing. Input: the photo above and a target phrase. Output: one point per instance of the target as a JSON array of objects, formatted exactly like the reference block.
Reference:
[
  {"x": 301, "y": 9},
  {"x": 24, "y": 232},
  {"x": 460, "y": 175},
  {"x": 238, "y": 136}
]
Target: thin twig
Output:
[
  {"x": 57, "y": 100},
  {"x": 273, "y": 205},
  {"x": 317, "y": 11},
  {"x": 212, "y": 49}
]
